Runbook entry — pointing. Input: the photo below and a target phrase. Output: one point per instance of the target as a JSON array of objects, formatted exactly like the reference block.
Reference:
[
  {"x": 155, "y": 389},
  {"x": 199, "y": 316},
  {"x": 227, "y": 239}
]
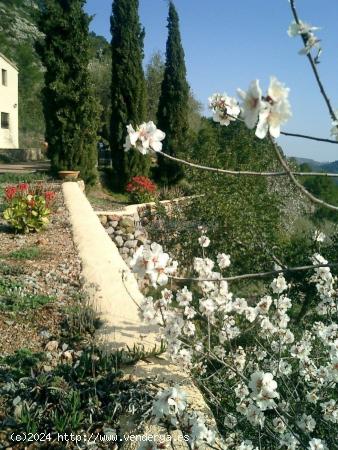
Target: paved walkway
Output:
[{"x": 25, "y": 167}]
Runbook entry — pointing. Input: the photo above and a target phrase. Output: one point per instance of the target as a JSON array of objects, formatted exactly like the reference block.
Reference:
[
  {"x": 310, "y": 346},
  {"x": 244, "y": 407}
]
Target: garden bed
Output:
[{"x": 39, "y": 279}]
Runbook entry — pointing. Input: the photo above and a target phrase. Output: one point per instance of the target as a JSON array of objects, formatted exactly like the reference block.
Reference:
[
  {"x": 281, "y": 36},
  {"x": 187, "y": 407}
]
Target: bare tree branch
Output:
[
  {"x": 247, "y": 172},
  {"x": 305, "y": 136},
  {"x": 292, "y": 177}
]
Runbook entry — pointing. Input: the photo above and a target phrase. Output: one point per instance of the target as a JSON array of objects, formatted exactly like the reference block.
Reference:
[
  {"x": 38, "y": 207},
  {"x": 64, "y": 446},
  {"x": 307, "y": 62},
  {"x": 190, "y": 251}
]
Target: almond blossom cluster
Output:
[
  {"x": 145, "y": 138},
  {"x": 276, "y": 378},
  {"x": 152, "y": 262},
  {"x": 307, "y": 31},
  {"x": 266, "y": 113}
]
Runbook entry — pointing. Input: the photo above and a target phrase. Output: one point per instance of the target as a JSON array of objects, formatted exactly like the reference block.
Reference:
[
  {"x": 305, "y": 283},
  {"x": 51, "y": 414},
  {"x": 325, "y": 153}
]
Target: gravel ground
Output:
[{"x": 53, "y": 272}]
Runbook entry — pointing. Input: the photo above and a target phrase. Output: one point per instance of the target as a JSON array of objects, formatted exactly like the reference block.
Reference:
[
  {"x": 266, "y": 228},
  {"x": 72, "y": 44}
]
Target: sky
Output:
[{"x": 229, "y": 43}]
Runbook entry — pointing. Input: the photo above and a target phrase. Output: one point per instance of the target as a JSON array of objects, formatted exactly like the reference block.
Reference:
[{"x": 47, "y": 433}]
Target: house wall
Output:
[{"x": 9, "y": 138}]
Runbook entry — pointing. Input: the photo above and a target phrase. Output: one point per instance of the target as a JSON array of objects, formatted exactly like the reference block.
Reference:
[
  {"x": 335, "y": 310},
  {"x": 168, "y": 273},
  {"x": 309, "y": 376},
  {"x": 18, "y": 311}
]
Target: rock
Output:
[
  {"x": 124, "y": 251},
  {"x": 141, "y": 240},
  {"x": 67, "y": 356},
  {"x": 130, "y": 236},
  {"x": 131, "y": 251},
  {"x": 52, "y": 346},
  {"x": 119, "y": 241},
  {"x": 119, "y": 232},
  {"x": 114, "y": 218},
  {"x": 103, "y": 220},
  {"x": 110, "y": 230},
  {"x": 130, "y": 244},
  {"x": 126, "y": 223},
  {"x": 139, "y": 233},
  {"x": 45, "y": 334},
  {"x": 128, "y": 230},
  {"x": 114, "y": 223}
]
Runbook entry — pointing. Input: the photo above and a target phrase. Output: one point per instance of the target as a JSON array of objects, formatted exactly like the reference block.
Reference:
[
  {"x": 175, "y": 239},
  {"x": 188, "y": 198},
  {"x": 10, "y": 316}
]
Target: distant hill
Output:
[{"x": 319, "y": 166}]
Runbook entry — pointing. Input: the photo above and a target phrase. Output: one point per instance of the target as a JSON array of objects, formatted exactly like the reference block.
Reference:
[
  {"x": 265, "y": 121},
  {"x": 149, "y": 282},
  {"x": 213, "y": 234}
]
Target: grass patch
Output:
[
  {"x": 25, "y": 253},
  {"x": 15, "y": 303},
  {"x": 11, "y": 270},
  {"x": 15, "y": 178},
  {"x": 14, "y": 298}
]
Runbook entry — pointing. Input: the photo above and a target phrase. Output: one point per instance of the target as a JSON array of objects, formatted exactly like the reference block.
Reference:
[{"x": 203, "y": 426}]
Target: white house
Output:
[{"x": 9, "y": 126}]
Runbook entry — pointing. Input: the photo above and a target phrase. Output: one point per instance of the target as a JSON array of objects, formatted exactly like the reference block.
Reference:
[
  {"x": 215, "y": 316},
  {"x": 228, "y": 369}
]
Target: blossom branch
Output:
[
  {"x": 258, "y": 274},
  {"x": 313, "y": 65}
]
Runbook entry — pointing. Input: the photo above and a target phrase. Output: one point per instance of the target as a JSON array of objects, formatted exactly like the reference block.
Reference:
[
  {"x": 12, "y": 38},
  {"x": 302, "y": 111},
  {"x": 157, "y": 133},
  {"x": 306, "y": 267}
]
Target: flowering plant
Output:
[
  {"x": 274, "y": 381},
  {"x": 27, "y": 208},
  {"x": 141, "y": 189}
]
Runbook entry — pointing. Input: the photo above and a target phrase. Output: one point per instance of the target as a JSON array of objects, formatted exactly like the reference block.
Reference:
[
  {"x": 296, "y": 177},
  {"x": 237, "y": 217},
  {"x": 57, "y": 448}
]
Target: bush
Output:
[
  {"x": 27, "y": 209},
  {"x": 141, "y": 190}
]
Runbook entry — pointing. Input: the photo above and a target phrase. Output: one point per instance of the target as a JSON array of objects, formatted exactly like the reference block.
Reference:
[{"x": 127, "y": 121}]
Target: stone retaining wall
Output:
[{"x": 14, "y": 155}]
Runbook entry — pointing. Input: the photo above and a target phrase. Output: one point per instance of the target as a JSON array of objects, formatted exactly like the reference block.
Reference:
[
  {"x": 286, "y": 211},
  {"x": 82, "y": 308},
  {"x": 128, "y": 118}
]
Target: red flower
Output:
[
  {"x": 23, "y": 187},
  {"x": 49, "y": 196},
  {"x": 10, "y": 192},
  {"x": 141, "y": 183}
]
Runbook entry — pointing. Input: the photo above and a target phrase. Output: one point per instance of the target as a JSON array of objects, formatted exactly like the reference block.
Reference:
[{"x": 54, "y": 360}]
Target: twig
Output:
[
  {"x": 305, "y": 136},
  {"x": 313, "y": 65},
  {"x": 258, "y": 274},
  {"x": 292, "y": 177},
  {"x": 246, "y": 172}
]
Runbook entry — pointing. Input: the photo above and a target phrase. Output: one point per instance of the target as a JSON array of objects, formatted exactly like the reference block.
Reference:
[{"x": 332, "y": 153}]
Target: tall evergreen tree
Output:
[
  {"x": 172, "y": 115},
  {"x": 128, "y": 89},
  {"x": 70, "y": 109}
]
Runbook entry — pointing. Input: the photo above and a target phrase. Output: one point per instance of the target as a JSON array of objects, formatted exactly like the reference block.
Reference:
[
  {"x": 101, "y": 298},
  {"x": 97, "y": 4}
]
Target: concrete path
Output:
[
  {"x": 25, "y": 167},
  {"x": 114, "y": 290}
]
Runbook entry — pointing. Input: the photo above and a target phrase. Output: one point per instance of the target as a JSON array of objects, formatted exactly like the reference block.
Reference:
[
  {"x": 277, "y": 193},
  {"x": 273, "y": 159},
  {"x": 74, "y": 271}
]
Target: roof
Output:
[{"x": 9, "y": 61}]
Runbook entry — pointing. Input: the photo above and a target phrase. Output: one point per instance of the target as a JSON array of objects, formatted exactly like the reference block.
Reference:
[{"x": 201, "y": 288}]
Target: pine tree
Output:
[
  {"x": 70, "y": 109},
  {"x": 128, "y": 89},
  {"x": 172, "y": 115}
]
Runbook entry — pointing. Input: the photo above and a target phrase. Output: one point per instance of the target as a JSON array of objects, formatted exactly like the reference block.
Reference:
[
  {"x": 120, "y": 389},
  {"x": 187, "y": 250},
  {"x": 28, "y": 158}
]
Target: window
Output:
[
  {"x": 4, "y": 120},
  {"x": 4, "y": 77}
]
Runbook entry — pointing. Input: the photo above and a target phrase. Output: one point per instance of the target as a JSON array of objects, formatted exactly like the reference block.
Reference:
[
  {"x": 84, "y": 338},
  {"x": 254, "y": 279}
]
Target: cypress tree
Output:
[
  {"x": 172, "y": 115},
  {"x": 128, "y": 89},
  {"x": 70, "y": 109}
]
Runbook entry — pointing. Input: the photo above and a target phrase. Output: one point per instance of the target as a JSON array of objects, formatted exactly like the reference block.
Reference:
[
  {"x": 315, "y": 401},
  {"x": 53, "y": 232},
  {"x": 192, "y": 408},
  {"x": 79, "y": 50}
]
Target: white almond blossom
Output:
[
  {"x": 311, "y": 42},
  {"x": 317, "y": 444},
  {"x": 154, "y": 264},
  {"x": 204, "y": 241},
  {"x": 251, "y": 103},
  {"x": 147, "y": 137},
  {"x": 169, "y": 403},
  {"x": 307, "y": 31},
  {"x": 263, "y": 387},
  {"x": 275, "y": 111},
  {"x": 319, "y": 236},
  {"x": 223, "y": 260},
  {"x": 279, "y": 285},
  {"x": 296, "y": 29},
  {"x": 334, "y": 128},
  {"x": 225, "y": 109}
]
